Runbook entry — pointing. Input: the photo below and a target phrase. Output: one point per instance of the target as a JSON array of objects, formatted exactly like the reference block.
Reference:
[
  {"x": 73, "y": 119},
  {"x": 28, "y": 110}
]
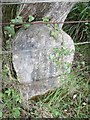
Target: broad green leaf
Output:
[
  {"x": 31, "y": 18},
  {"x": 10, "y": 29},
  {"x": 17, "y": 20},
  {"x": 45, "y": 19}
]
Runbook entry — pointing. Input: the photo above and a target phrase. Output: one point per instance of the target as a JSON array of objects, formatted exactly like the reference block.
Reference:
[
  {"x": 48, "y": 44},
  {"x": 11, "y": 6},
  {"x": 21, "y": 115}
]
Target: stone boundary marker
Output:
[
  {"x": 29, "y": 91},
  {"x": 36, "y": 71}
]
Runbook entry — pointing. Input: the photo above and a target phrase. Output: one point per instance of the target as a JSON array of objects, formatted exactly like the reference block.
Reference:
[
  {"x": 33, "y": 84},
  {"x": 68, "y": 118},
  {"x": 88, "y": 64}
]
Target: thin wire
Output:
[
  {"x": 18, "y": 3},
  {"x": 37, "y": 1},
  {"x": 81, "y": 43},
  {"x": 51, "y": 22}
]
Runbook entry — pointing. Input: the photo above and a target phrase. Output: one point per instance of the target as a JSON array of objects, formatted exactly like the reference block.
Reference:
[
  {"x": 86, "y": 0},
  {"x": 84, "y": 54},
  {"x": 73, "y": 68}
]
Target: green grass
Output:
[
  {"x": 79, "y": 32},
  {"x": 70, "y": 100}
]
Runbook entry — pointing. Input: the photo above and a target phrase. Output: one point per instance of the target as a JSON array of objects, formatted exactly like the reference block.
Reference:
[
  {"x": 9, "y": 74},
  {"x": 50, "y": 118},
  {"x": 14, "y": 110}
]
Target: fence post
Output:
[{"x": 0, "y": 56}]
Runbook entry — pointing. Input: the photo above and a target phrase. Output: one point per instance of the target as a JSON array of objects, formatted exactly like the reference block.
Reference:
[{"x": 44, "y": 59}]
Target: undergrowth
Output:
[{"x": 71, "y": 99}]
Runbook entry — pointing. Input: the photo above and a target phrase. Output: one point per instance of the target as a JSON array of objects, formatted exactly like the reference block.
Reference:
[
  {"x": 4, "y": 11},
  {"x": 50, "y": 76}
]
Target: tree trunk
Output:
[{"x": 56, "y": 11}]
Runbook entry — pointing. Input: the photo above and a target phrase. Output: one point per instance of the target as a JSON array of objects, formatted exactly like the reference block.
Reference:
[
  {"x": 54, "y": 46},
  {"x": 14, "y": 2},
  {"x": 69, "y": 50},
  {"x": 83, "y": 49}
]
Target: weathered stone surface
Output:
[
  {"x": 35, "y": 60},
  {"x": 32, "y": 62}
]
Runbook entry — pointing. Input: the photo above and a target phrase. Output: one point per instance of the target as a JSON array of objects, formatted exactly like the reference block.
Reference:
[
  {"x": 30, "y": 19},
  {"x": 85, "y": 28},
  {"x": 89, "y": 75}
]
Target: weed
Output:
[
  {"x": 55, "y": 31},
  {"x": 18, "y": 21}
]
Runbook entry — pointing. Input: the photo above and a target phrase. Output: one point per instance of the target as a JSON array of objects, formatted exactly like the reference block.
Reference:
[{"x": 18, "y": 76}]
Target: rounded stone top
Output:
[{"x": 34, "y": 59}]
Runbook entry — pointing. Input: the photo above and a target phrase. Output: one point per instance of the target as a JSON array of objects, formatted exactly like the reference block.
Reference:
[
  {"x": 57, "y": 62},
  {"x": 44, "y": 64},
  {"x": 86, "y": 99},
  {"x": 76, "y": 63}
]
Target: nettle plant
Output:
[
  {"x": 10, "y": 98},
  {"x": 18, "y": 21},
  {"x": 57, "y": 58},
  {"x": 55, "y": 31}
]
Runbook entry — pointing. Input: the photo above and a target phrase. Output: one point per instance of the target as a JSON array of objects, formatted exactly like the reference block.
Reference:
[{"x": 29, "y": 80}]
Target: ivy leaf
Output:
[
  {"x": 31, "y": 18},
  {"x": 10, "y": 29},
  {"x": 45, "y": 19},
  {"x": 25, "y": 26},
  {"x": 17, "y": 20}
]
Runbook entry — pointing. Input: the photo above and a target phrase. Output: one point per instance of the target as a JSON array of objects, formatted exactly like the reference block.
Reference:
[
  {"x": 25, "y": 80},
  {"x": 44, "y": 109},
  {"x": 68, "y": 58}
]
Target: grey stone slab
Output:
[{"x": 34, "y": 68}]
